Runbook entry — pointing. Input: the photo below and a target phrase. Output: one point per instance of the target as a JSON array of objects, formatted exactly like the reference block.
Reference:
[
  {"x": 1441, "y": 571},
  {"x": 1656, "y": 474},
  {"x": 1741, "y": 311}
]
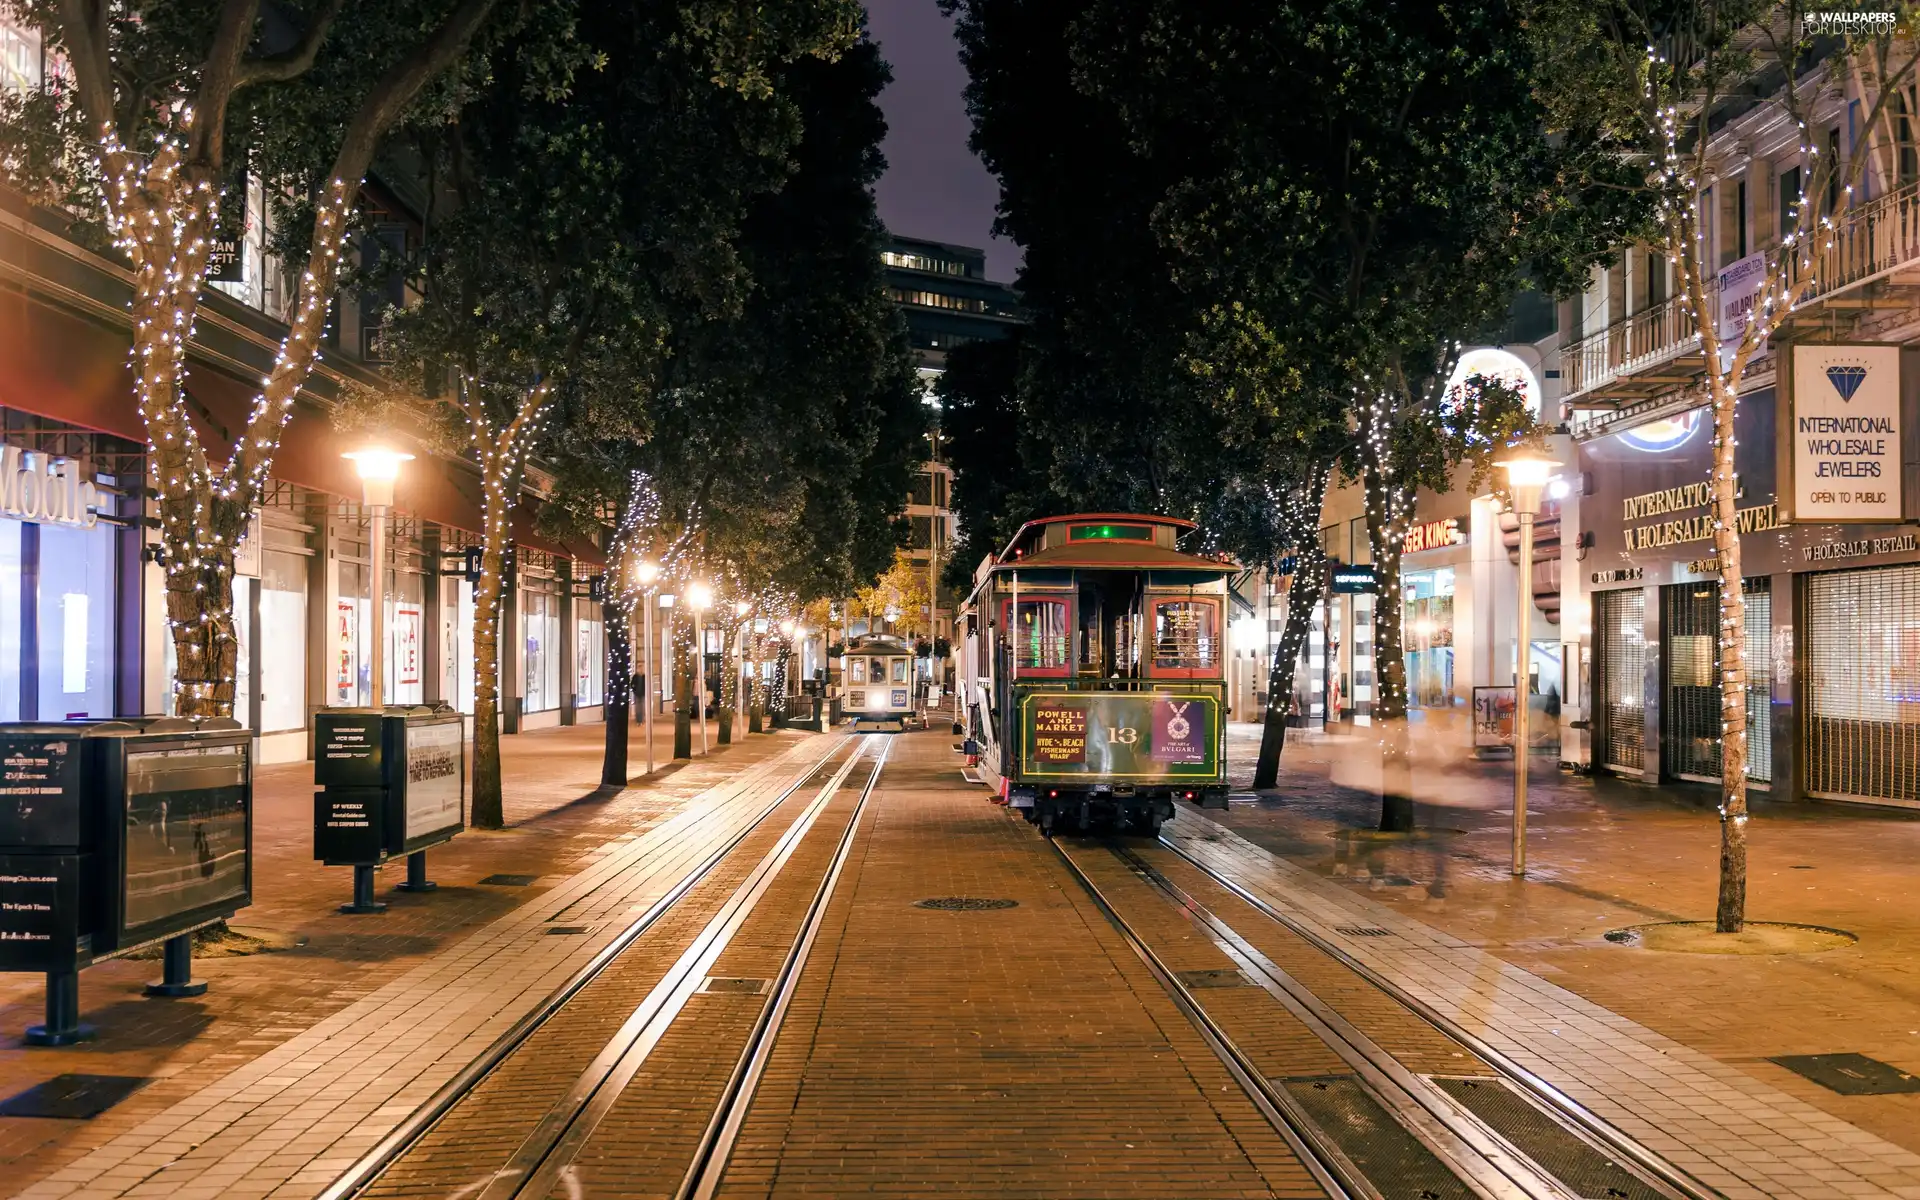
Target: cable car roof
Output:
[{"x": 879, "y": 643}]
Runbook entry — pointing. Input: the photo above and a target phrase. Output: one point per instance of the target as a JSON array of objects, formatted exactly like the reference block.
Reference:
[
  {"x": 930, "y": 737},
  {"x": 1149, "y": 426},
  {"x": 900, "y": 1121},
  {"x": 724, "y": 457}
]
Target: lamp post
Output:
[
  {"x": 378, "y": 467},
  {"x": 647, "y": 573},
  {"x": 700, "y": 596},
  {"x": 1526, "y": 479}
]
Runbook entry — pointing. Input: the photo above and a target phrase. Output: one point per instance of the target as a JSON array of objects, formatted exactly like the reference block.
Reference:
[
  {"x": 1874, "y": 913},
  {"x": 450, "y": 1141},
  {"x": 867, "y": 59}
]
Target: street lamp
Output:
[
  {"x": 1526, "y": 479},
  {"x": 646, "y": 573},
  {"x": 700, "y": 596},
  {"x": 378, "y": 467}
]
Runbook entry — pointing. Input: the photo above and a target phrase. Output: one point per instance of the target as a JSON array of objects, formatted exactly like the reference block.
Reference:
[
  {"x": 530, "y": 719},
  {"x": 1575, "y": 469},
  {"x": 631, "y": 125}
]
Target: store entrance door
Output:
[
  {"x": 1619, "y": 681},
  {"x": 1690, "y": 720}
]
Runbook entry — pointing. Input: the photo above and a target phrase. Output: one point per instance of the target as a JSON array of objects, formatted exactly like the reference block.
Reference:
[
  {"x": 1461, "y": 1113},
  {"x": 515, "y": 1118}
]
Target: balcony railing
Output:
[
  {"x": 1870, "y": 241},
  {"x": 1645, "y": 339}
]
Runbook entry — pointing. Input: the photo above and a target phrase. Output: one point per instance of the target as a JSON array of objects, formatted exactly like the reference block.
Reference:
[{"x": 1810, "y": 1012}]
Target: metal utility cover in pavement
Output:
[
  {"x": 1362, "y": 931},
  {"x": 1379, "y": 1147},
  {"x": 510, "y": 880},
  {"x": 72, "y": 1097},
  {"x": 741, "y": 987},
  {"x": 1215, "y": 979},
  {"x": 1851, "y": 1074},
  {"x": 570, "y": 930},
  {"x": 964, "y": 904},
  {"x": 1562, "y": 1153}
]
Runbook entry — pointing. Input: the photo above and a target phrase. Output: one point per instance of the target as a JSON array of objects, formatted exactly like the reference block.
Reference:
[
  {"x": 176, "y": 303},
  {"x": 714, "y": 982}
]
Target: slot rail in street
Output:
[
  {"x": 562, "y": 1120},
  {"x": 1368, "y": 1125}
]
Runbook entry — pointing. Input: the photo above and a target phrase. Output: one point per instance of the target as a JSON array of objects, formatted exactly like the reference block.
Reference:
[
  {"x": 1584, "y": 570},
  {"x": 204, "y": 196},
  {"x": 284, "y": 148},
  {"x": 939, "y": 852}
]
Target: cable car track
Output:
[
  {"x": 688, "y": 969},
  {"x": 1481, "y": 1160}
]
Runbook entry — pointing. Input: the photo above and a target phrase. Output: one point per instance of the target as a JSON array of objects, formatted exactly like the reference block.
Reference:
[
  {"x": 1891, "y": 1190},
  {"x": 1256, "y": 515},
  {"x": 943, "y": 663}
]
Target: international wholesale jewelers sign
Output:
[{"x": 1842, "y": 434}]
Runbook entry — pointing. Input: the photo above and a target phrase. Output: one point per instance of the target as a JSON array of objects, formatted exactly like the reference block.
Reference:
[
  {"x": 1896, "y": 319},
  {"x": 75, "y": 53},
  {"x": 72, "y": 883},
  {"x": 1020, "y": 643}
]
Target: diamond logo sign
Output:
[{"x": 1846, "y": 380}]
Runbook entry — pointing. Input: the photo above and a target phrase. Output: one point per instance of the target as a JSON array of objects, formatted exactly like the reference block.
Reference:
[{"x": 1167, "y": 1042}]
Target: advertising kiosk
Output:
[
  {"x": 114, "y": 836},
  {"x": 391, "y": 781}
]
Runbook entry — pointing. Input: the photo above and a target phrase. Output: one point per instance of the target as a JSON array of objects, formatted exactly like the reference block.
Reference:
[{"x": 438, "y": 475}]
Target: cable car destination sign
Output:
[{"x": 1841, "y": 450}]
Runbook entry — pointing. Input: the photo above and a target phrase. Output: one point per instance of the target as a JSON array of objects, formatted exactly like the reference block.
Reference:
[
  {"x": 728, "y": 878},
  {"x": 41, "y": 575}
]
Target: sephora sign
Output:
[{"x": 46, "y": 490}]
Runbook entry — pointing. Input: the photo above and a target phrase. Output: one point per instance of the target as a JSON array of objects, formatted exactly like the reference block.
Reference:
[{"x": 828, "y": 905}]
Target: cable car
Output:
[
  {"x": 1094, "y": 671},
  {"x": 877, "y": 679}
]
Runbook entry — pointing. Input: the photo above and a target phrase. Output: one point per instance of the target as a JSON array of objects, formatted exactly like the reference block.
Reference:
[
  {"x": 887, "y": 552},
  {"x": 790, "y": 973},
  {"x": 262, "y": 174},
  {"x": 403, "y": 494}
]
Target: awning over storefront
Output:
[{"x": 65, "y": 368}]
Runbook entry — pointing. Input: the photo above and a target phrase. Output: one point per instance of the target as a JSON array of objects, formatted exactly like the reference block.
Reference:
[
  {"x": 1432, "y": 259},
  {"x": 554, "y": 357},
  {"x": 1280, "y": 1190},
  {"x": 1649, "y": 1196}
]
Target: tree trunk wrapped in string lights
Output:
[
  {"x": 160, "y": 160},
  {"x": 1302, "y": 522}
]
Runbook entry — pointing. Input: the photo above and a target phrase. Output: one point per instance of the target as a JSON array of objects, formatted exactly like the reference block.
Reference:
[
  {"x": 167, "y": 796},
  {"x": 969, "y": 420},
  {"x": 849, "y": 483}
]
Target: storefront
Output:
[
  {"x": 65, "y": 569},
  {"x": 1832, "y": 645},
  {"x": 83, "y": 628}
]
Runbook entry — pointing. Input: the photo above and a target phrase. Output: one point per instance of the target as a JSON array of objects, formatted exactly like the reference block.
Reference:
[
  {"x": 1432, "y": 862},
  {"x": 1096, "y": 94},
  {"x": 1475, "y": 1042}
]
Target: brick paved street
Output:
[
  {"x": 1604, "y": 854},
  {"x": 559, "y": 823},
  {"x": 1013, "y": 1051}
]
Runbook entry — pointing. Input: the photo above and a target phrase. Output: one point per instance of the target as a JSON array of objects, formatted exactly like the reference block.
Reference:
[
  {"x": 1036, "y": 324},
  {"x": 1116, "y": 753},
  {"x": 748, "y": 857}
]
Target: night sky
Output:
[{"x": 934, "y": 186}]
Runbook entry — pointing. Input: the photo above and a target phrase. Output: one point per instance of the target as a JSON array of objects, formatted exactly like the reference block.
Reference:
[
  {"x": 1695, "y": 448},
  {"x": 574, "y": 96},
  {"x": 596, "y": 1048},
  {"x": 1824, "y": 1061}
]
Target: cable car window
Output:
[
  {"x": 1186, "y": 635},
  {"x": 899, "y": 670},
  {"x": 1040, "y": 635},
  {"x": 858, "y": 669},
  {"x": 878, "y": 671}
]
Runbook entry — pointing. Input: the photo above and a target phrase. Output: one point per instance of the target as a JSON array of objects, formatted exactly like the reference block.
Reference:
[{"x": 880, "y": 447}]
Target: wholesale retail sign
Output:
[{"x": 1843, "y": 434}]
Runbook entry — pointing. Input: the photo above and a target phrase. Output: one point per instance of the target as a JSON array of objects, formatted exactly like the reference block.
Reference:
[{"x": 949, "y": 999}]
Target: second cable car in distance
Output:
[{"x": 877, "y": 680}]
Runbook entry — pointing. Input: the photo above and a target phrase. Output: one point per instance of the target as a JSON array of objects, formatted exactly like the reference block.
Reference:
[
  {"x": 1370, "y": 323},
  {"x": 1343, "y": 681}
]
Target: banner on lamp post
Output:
[{"x": 1840, "y": 442}]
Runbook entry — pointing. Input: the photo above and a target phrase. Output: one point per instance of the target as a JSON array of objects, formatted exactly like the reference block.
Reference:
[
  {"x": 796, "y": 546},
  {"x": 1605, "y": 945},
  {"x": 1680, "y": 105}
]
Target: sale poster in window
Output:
[
  {"x": 344, "y": 619},
  {"x": 406, "y": 642}
]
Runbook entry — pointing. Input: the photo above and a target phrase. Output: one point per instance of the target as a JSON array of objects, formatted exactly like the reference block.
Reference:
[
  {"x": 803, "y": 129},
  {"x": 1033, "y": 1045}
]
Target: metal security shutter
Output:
[
  {"x": 1863, "y": 685},
  {"x": 1690, "y": 717},
  {"x": 1619, "y": 627}
]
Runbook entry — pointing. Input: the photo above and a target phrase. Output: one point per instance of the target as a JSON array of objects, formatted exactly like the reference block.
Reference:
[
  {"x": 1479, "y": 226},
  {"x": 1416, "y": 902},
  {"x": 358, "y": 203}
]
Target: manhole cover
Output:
[
  {"x": 510, "y": 880},
  {"x": 965, "y": 903},
  {"x": 1362, "y": 931},
  {"x": 742, "y": 987},
  {"x": 569, "y": 930},
  {"x": 1215, "y": 979},
  {"x": 1851, "y": 1074},
  {"x": 72, "y": 1097}
]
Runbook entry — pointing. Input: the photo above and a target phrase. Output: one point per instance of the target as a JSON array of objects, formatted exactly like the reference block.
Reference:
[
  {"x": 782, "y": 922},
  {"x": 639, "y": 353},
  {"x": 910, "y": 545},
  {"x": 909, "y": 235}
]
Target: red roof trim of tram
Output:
[{"x": 1043, "y": 522}]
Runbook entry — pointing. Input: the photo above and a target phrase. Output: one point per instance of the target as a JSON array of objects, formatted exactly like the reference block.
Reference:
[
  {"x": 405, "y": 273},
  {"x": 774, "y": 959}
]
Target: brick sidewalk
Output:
[
  {"x": 1604, "y": 854},
  {"x": 560, "y": 824}
]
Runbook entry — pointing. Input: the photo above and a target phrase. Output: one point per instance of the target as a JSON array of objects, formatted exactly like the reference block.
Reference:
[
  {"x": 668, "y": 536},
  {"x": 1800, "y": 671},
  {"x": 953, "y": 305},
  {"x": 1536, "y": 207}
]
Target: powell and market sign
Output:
[{"x": 46, "y": 490}]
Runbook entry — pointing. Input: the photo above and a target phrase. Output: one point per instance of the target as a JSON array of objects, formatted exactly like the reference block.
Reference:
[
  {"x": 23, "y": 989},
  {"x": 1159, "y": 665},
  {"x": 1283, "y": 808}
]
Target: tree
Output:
[
  {"x": 1656, "y": 80},
  {"x": 567, "y": 252},
  {"x": 1107, "y": 322},
  {"x": 1352, "y": 229},
  {"x": 161, "y": 108},
  {"x": 898, "y": 596}
]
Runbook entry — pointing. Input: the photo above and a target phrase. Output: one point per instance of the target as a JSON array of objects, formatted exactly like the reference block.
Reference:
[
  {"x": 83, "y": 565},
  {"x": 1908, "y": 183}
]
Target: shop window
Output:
[
  {"x": 406, "y": 638},
  {"x": 10, "y": 647},
  {"x": 1186, "y": 637},
  {"x": 540, "y": 629},
  {"x": 76, "y": 579},
  {"x": 1039, "y": 636},
  {"x": 1427, "y": 637},
  {"x": 590, "y": 662},
  {"x": 283, "y": 641}
]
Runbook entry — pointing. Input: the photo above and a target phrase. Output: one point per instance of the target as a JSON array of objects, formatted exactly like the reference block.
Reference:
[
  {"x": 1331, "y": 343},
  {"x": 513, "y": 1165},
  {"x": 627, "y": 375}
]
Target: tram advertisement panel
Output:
[{"x": 1127, "y": 736}]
